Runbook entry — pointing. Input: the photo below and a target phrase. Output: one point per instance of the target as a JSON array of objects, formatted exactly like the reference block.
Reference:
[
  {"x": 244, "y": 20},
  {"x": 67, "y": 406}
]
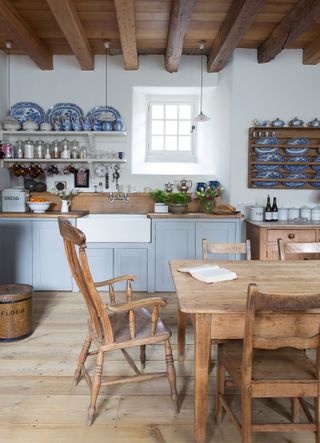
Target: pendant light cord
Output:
[
  {"x": 201, "y": 81},
  {"x": 8, "y": 46},
  {"x": 106, "y": 76}
]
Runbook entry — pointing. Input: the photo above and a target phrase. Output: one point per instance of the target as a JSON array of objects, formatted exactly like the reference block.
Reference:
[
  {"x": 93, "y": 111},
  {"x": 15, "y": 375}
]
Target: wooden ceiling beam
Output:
[
  {"x": 311, "y": 53},
  {"x": 301, "y": 16},
  {"x": 180, "y": 18},
  {"x": 127, "y": 27},
  {"x": 238, "y": 20},
  {"x": 24, "y": 36},
  {"x": 68, "y": 20}
]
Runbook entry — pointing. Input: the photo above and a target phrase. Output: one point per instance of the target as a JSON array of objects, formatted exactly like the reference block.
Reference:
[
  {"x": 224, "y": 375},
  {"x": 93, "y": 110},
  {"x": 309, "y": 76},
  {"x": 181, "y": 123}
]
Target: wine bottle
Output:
[
  {"x": 268, "y": 210},
  {"x": 274, "y": 210}
]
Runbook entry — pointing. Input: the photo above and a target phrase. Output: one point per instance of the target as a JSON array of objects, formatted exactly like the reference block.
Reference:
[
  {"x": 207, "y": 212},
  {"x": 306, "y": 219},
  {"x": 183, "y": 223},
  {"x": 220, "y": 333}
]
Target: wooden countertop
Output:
[
  {"x": 48, "y": 214},
  {"x": 286, "y": 224},
  {"x": 192, "y": 215}
]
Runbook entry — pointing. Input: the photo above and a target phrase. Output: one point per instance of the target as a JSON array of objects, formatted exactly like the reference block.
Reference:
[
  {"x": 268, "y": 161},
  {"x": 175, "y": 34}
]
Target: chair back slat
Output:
[
  {"x": 289, "y": 251},
  {"x": 80, "y": 270},
  {"x": 225, "y": 248}
]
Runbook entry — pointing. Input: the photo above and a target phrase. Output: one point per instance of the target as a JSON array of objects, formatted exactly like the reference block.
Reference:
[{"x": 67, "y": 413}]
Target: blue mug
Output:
[
  {"x": 214, "y": 184},
  {"x": 201, "y": 186}
]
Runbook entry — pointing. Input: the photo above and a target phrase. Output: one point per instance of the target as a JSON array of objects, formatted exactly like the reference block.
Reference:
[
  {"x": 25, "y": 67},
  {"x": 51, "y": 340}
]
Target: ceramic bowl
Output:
[
  {"x": 39, "y": 207},
  {"x": 11, "y": 126},
  {"x": 30, "y": 126},
  {"x": 261, "y": 123},
  {"x": 266, "y": 150}
]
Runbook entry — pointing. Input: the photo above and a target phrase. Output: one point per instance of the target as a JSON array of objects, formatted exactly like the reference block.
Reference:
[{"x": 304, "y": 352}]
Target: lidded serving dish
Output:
[
  {"x": 296, "y": 122},
  {"x": 277, "y": 123}
]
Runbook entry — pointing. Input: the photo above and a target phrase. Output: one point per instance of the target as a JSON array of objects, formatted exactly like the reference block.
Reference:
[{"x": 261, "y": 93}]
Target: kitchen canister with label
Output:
[
  {"x": 283, "y": 214},
  {"x": 293, "y": 213},
  {"x": 315, "y": 213},
  {"x": 256, "y": 213},
  {"x": 305, "y": 213}
]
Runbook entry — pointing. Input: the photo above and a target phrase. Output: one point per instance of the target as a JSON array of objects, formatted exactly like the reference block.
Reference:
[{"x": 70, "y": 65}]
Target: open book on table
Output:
[{"x": 209, "y": 273}]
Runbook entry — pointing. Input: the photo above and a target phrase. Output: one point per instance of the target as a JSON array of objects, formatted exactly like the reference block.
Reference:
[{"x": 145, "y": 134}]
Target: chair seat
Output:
[
  {"x": 280, "y": 364},
  {"x": 121, "y": 331}
]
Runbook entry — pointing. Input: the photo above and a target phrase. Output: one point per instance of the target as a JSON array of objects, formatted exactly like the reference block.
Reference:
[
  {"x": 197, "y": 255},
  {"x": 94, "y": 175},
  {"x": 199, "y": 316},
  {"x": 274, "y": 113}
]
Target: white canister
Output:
[
  {"x": 256, "y": 213},
  {"x": 283, "y": 214},
  {"x": 315, "y": 213},
  {"x": 293, "y": 213},
  {"x": 305, "y": 213}
]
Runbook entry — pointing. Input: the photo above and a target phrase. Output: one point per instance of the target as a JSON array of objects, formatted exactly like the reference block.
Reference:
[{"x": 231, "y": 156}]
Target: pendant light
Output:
[
  {"x": 106, "y": 116},
  {"x": 201, "y": 117},
  {"x": 8, "y": 118}
]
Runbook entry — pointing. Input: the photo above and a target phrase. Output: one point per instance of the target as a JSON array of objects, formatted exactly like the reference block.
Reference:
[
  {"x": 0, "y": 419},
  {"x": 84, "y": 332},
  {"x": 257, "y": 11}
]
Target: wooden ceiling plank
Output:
[
  {"x": 311, "y": 53},
  {"x": 69, "y": 22},
  {"x": 180, "y": 18},
  {"x": 238, "y": 20},
  {"x": 24, "y": 36},
  {"x": 125, "y": 10},
  {"x": 301, "y": 16}
]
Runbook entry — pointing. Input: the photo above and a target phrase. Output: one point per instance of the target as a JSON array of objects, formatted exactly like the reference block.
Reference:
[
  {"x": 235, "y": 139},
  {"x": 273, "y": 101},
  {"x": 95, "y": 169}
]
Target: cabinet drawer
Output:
[{"x": 292, "y": 235}]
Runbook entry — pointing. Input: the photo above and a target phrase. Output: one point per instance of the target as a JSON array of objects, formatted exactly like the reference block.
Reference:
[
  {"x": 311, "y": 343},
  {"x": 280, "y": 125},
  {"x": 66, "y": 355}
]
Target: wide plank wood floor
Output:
[{"x": 39, "y": 404}]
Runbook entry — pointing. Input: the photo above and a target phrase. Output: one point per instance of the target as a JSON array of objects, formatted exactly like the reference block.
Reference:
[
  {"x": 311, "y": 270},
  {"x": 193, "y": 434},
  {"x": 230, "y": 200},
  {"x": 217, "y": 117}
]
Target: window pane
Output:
[
  {"x": 157, "y": 143},
  {"x": 171, "y": 127},
  {"x": 171, "y": 143},
  {"x": 171, "y": 111},
  {"x": 185, "y": 111},
  {"x": 157, "y": 111},
  {"x": 157, "y": 127},
  {"x": 185, "y": 143},
  {"x": 184, "y": 127}
]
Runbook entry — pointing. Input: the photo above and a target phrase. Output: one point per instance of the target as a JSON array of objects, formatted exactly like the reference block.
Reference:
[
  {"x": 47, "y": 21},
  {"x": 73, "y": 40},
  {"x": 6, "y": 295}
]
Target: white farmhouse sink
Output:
[{"x": 116, "y": 228}]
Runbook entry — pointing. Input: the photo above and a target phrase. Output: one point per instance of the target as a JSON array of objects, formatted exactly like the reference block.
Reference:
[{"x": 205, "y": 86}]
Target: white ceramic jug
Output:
[{"x": 65, "y": 205}]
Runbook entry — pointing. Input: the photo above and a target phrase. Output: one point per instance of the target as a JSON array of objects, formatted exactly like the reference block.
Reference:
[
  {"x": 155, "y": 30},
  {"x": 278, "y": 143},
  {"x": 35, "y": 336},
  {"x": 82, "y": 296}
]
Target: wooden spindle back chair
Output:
[
  {"x": 115, "y": 325},
  {"x": 271, "y": 361},
  {"x": 296, "y": 251}
]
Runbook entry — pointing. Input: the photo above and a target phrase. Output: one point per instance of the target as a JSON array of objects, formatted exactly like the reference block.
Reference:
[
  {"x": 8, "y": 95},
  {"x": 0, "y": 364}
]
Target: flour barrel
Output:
[{"x": 16, "y": 312}]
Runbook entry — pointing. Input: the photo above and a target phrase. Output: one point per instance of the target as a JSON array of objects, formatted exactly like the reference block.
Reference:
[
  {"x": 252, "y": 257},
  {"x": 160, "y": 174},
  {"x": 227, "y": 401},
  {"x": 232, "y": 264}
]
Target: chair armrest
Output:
[
  {"x": 144, "y": 302},
  {"x": 111, "y": 281}
]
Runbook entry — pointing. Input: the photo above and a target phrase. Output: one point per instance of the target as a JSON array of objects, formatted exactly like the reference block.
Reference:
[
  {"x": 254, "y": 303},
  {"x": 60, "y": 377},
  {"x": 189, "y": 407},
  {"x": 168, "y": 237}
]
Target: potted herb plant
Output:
[
  {"x": 178, "y": 202},
  {"x": 161, "y": 199}
]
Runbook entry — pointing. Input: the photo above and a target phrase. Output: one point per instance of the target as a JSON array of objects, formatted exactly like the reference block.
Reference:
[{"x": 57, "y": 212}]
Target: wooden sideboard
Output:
[{"x": 264, "y": 236}]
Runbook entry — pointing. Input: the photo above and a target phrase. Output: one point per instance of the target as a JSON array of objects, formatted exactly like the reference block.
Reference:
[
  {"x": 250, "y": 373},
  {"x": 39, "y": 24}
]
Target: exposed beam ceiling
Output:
[
  {"x": 70, "y": 24},
  {"x": 300, "y": 17},
  {"x": 125, "y": 10},
  {"x": 238, "y": 20},
  {"x": 180, "y": 18},
  {"x": 311, "y": 53},
  {"x": 22, "y": 35}
]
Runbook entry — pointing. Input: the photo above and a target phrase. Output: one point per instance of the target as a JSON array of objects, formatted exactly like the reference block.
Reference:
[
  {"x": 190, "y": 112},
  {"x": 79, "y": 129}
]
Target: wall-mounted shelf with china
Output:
[
  {"x": 10, "y": 161},
  {"x": 284, "y": 158}
]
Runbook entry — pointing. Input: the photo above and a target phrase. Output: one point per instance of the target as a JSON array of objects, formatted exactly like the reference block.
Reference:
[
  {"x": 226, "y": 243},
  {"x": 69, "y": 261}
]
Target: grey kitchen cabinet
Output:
[
  {"x": 101, "y": 263},
  {"x": 16, "y": 251},
  {"x": 177, "y": 239},
  {"x": 50, "y": 266}
]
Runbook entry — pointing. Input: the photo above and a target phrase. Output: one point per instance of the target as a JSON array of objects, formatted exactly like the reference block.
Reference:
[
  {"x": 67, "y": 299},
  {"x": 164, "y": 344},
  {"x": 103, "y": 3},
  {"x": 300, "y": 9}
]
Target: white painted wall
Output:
[{"x": 244, "y": 90}]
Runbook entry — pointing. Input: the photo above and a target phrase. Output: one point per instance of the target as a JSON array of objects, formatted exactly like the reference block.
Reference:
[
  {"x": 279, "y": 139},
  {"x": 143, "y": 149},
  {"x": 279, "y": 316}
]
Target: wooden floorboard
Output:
[{"x": 39, "y": 404}]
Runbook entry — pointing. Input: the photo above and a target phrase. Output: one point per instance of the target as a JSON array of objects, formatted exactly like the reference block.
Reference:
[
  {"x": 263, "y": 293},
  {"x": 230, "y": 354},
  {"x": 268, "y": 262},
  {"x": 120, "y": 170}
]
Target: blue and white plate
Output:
[
  {"x": 268, "y": 174},
  {"x": 298, "y": 141},
  {"x": 316, "y": 167},
  {"x": 266, "y": 150},
  {"x": 24, "y": 111},
  {"x": 303, "y": 178},
  {"x": 63, "y": 110},
  {"x": 267, "y": 141},
  {"x": 97, "y": 110},
  {"x": 316, "y": 184},
  {"x": 296, "y": 151},
  {"x": 268, "y": 158},
  {"x": 297, "y": 168}
]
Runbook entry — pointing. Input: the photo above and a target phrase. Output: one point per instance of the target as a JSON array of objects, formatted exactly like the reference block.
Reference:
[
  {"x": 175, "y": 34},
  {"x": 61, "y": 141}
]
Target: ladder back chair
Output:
[
  {"x": 291, "y": 251},
  {"x": 271, "y": 361},
  {"x": 210, "y": 248},
  {"x": 116, "y": 326}
]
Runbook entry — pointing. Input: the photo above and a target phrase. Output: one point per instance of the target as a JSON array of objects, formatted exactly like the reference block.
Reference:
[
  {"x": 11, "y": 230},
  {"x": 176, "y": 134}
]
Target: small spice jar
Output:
[
  {"x": 55, "y": 152},
  {"x": 29, "y": 149}
]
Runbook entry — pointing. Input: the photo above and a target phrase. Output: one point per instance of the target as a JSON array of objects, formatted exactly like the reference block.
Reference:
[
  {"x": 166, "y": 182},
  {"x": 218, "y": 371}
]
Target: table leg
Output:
[
  {"x": 202, "y": 344},
  {"x": 181, "y": 334}
]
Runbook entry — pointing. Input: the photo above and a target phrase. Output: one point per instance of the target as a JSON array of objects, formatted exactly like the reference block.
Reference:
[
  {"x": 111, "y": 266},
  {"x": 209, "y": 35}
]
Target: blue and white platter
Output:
[
  {"x": 297, "y": 168},
  {"x": 298, "y": 141},
  {"x": 24, "y": 111},
  {"x": 271, "y": 157},
  {"x": 267, "y": 141},
  {"x": 316, "y": 184},
  {"x": 63, "y": 110},
  {"x": 303, "y": 178},
  {"x": 266, "y": 150},
  {"x": 316, "y": 167},
  {"x": 268, "y": 174}
]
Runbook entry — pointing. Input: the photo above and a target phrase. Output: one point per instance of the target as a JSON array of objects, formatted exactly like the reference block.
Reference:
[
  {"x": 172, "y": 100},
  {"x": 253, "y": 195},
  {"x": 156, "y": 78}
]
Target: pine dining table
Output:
[{"x": 217, "y": 310}]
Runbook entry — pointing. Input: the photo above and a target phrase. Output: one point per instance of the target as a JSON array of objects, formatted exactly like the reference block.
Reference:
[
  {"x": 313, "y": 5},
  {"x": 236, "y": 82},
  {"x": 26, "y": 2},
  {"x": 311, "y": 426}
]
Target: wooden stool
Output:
[{"x": 16, "y": 312}]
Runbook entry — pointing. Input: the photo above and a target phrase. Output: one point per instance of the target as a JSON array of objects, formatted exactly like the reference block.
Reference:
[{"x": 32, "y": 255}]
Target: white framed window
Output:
[{"x": 169, "y": 129}]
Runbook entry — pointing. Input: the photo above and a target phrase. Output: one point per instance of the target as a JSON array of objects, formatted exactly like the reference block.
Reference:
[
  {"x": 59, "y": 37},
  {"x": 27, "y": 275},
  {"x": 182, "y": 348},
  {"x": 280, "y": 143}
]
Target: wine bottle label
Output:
[
  {"x": 275, "y": 216},
  {"x": 268, "y": 216}
]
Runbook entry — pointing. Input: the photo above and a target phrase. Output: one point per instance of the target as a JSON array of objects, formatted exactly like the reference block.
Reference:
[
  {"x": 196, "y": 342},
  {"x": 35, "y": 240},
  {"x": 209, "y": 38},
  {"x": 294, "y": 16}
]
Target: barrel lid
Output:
[{"x": 14, "y": 292}]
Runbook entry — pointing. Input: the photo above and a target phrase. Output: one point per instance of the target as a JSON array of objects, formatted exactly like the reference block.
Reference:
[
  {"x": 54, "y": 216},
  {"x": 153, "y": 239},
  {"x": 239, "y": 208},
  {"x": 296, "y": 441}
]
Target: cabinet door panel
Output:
[
  {"x": 15, "y": 251},
  {"x": 174, "y": 240},
  {"x": 50, "y": 265},
  {"x": 132, "y": 261},
  {"x": 216, "y": 232},
  {"x": 101, "y": 264}
]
